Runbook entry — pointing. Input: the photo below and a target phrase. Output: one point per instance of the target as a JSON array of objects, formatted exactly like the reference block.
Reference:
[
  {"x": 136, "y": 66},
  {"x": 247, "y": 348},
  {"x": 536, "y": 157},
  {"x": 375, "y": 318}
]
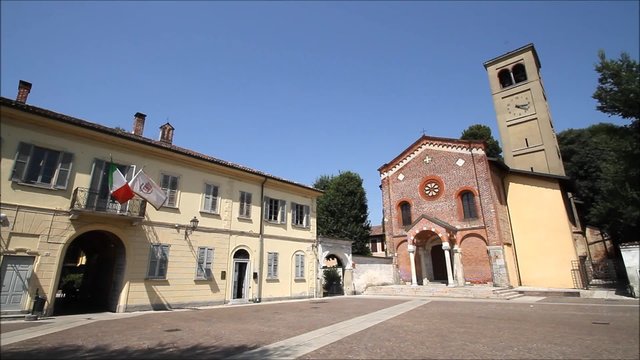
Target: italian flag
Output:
[{"x": 118, "y": 186}]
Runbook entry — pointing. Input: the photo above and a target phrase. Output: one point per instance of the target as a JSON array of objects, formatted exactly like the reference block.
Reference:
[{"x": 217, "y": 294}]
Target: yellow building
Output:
[{"x": 225, "y": 234}]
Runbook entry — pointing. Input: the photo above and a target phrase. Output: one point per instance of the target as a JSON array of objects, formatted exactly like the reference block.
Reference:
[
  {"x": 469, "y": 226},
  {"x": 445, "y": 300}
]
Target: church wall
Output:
[{"x": 542, "y": 231}]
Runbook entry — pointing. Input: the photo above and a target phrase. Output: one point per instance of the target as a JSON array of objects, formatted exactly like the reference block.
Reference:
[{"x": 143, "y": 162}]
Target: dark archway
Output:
[
  {"x": 439, "y": 265},
  {"x": 92, "y": 274}
]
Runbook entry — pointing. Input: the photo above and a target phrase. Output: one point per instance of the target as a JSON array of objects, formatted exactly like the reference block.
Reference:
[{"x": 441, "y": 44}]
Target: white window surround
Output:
[
  {"x": 275, "y": 210},
  {"x": 203, "y": 264},
  {"x": 299, "y": 265},
  {"x": 300, "y": 215},
  {"x": 169, "y": 183},
  {"x": 244, "y": 211},
  {"x": 42, "y": 167},
  {"x": 272, "y": 266},
  {"x": 158, "y": 261},
  {"x": 211, "y": 199}
]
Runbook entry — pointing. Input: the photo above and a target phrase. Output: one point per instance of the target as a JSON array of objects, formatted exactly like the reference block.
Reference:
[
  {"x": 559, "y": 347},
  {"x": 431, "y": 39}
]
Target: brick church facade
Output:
[{"x": 443, "y": 214}]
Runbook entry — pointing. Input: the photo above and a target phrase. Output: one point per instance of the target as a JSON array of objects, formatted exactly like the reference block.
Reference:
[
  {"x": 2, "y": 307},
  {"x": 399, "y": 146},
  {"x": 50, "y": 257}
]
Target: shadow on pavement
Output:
[{"x": 161, "y": 351}]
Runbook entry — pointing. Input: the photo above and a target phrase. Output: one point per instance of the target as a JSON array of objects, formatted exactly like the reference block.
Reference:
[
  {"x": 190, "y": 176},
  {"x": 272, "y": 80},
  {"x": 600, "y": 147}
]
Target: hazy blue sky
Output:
[{"x": 309, "y": 88}]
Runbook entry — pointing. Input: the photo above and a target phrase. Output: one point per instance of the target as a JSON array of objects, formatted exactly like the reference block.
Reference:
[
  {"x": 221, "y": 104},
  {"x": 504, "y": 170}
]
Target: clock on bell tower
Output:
[{"x": 526, "y": 132}]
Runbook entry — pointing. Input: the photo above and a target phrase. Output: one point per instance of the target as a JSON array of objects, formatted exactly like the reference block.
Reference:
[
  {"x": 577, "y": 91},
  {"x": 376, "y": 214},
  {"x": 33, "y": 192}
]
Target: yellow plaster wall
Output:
[{"x": 542, "y": 232}]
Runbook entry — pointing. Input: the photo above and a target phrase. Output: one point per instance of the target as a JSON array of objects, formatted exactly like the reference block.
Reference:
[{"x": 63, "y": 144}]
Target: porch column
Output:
[
  {"x": 447, "y": 259},
  {"x": 412, "y": 259},
  {"x": 423, "y": 257},
  {"x": 457, "y": 262}
]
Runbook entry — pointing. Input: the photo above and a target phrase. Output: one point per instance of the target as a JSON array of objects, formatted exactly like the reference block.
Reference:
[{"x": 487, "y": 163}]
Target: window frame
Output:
[
  {"x": 204, "y": 263},
  {"x": 206, "y": 196},
  {"x": 468, "y": 205},
  {"x": 244, "y": 208},
  {"x": 296, "y": 208},
  {"x": 155, "y": 256},
  {"x": 170, "y": 192},
  {"x": 405, "y": 213},
  {"x": 280, "y": 211},
  {"x": 26, "y": 165},
  {"x": 272, "y": 265},
  {"x": 299, "y": 266}
]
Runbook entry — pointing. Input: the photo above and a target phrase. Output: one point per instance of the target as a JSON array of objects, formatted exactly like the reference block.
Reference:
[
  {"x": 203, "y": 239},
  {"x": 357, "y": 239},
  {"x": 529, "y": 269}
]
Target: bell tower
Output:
[{"x": 526, "y": 132}]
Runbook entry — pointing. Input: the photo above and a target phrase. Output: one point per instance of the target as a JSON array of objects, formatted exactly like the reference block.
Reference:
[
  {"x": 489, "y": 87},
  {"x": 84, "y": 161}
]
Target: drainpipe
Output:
[{"x": 261, "y": 240}]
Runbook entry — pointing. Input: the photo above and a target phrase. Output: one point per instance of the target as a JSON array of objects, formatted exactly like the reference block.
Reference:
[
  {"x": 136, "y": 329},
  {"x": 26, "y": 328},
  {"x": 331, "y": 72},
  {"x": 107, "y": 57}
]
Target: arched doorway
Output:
[
  {"x": 92, "y": 274},
  {"x": 438, "y": 263},
  {"x": 240, "y": 275},
  {"x": 332, "y": 276}
]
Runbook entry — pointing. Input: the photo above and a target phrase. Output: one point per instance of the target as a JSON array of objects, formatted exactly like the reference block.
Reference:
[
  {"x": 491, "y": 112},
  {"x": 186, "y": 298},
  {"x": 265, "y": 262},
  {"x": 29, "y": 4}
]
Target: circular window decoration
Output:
[{"x": 431, "y": 188}]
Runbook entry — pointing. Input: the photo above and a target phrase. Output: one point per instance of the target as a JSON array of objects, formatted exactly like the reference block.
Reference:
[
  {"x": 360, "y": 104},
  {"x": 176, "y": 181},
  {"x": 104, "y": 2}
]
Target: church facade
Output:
[{"x": 455, "y": 216}]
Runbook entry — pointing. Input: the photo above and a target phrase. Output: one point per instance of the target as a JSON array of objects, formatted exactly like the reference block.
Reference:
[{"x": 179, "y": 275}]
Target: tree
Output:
[
  {"x": 597, "y": 159},
  {"x": 342, "y": 210},
  {"x": 604, "y": 159},
  {"x": 483, "y": 133},
  {"x": 618, "y": 91}
]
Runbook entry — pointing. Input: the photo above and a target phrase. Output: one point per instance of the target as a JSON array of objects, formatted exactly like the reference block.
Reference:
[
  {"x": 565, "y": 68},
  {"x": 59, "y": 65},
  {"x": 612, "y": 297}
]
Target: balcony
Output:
[{"x": 100, "y": 203}]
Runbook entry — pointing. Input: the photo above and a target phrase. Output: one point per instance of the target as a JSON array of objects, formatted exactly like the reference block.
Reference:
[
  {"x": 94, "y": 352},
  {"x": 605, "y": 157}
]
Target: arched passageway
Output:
[{"x": 91, "y": 275}]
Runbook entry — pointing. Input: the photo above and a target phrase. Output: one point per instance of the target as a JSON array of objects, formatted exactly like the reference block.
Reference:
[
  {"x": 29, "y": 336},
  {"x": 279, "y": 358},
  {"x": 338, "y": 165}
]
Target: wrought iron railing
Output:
[
  {"x": 589, "y": 274},
  {"x": 100, "y": 202}
]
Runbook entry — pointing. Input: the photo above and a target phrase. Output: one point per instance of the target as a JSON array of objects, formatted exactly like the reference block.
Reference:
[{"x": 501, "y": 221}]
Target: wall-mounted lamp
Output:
[
  {"x": 193, "y": 225},
  {"x": 4, "y": 220}
]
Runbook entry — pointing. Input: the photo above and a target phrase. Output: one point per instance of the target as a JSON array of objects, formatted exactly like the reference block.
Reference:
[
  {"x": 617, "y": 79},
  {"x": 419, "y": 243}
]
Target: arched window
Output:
[
  {"x": 405, "y": 211},
  {"x": 505, "y": 78},
  {"x": 468, "y": 205},
  {"x": 519, "y": 73}
]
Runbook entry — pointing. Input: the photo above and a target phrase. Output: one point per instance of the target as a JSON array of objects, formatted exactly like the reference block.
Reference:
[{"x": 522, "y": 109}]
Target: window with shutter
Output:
[
  {"x": 40, "y": 166},
  {"x": 245, "y": 205},
  {"x": 169, "y": 184},
  {"x": 158, "y": 261},
  {"x": 211, "y": 200},
  {"x": 299, "y": 261},
  {"x": 205, "y": 259},
  {"x": 272, "y": 265}
]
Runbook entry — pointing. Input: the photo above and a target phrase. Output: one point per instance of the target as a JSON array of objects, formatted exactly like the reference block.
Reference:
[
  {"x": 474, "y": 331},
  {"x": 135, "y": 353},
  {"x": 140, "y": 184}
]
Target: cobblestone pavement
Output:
[{"x": 365, "y": 327}]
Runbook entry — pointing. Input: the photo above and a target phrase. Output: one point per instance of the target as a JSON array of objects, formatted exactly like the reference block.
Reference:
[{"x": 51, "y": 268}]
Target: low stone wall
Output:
[{"x": 366, "y": 275}]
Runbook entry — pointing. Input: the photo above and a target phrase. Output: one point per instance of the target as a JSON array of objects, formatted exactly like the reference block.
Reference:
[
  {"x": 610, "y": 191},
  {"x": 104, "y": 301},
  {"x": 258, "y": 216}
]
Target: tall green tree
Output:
[
  {"x": 604, "y": 159},
  {"x": 483, "y": 133},
  {"x": 342, "y": 210},
  {"x": 618, "y": 91}
]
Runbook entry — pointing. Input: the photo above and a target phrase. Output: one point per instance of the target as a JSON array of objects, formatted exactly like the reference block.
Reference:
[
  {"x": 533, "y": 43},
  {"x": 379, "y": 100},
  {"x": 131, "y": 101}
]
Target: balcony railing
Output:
[{"x": 98, "y": 202}]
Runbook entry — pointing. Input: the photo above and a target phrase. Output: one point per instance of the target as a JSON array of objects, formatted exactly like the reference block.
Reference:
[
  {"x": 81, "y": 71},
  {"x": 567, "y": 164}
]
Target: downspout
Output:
[{"x": 261, "y": 241}]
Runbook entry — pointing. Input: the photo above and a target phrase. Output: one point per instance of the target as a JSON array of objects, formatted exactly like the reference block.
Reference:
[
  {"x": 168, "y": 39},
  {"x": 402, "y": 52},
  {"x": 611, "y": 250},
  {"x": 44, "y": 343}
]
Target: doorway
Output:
[
  {"x": 92, "y": 275},
  {"x": 16, "y": 271},
  {"x": 438, "y": 262},
  {"x": 240, "y": 275}
]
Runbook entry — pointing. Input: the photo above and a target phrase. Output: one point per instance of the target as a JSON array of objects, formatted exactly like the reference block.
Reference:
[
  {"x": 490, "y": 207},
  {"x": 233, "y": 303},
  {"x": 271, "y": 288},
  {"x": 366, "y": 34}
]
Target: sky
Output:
[{"x": 302, "y": 89}]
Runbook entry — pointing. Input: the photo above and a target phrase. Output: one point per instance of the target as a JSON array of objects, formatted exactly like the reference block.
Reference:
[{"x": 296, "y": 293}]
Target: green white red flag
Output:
[{"x": 118, "y": 186}]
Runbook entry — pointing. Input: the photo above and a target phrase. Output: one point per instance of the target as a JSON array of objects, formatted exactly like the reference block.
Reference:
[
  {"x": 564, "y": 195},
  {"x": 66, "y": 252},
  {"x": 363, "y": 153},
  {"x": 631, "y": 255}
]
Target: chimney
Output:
[
  {"x": 166, "y": 133},
  {"x": 24, "y": 88},
  {"x": 138, "y": 123}
]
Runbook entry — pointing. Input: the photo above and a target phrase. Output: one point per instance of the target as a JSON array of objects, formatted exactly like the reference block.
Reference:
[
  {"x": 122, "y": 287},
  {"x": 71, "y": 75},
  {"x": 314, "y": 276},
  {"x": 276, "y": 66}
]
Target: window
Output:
[
  {"x": 245, "y": 204},
  {"x": 505, "y": 78},
  {"x": 170, "y": 186},
  {"x": 468, "y": 205},
  {"x": 203, "y": 269},
  {"x": 211, "y": 199},
  {"x": 275, "y": 210},
  {"x": 44, "y": 167},
  {"x": 158, "y": 261},
  {"x": 299, "y": 261},
  {"x": 405, "y": 212},
  {"x": 272, "y": 265},
  {"x": 517, "y": 74},
  {"x": 300, "y": 215}
]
